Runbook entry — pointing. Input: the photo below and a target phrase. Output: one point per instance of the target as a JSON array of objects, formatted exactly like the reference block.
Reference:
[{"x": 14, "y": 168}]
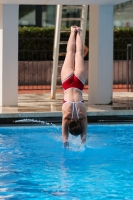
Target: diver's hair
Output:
[{"x": 75, "y": 127}]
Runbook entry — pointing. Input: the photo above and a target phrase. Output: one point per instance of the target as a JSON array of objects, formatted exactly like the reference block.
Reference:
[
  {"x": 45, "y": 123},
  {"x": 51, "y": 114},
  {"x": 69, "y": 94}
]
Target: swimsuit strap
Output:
[
  {"x": 74, "y": 106},
  {"x": 65, "y": 101}
]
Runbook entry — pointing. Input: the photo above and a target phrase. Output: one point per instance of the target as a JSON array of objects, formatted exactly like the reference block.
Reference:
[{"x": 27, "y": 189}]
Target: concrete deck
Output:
[{"x": 41, "y": 106}]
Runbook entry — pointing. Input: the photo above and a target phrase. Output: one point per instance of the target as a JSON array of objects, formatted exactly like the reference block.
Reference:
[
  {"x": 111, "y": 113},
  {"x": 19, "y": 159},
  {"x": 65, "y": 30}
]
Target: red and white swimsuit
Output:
[{"x": 73, "y": 82}]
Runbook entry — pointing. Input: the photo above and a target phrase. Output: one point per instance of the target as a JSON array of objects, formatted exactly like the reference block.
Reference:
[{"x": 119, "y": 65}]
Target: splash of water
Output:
[
  {"x": 75, "y": 144},
  {"x": 34, "y": 121}
]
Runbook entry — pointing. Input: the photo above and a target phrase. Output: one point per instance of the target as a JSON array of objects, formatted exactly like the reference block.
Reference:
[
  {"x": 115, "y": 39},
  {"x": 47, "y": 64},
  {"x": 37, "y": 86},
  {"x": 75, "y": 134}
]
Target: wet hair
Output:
[{"x": 75, "y": 127}]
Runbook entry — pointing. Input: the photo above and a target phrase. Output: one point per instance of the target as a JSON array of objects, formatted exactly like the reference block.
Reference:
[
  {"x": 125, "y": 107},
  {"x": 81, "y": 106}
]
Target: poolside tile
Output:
[{"x": 41, "y": 105}]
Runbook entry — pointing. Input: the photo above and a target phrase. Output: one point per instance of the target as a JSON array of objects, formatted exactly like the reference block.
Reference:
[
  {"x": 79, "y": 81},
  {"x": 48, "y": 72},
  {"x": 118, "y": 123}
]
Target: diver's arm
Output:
[
  {"x": 65, "y": 132},
  {"x": 83, "y": 135}
]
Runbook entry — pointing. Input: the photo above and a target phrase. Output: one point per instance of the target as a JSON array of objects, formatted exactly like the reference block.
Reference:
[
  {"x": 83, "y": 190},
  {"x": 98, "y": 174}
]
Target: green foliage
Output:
[
  {"x": 122, "y": 37},
  {"x": 36, "y": 43}
]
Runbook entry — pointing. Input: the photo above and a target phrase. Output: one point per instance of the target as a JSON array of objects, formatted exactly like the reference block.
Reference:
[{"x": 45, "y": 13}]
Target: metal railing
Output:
[
  {"x": 123, "y": 60},
  {"x": 129, "y": 67},
  {"x": 35, "y": 68}
]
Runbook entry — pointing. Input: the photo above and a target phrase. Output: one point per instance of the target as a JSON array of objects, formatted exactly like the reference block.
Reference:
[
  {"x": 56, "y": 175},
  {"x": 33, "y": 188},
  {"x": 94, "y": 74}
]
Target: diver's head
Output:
[{"x": 75, "y": 127}]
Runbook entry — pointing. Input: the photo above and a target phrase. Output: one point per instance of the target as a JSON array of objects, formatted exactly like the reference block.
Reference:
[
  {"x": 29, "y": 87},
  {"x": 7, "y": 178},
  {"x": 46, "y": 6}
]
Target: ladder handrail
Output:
[{"x": 56, "y": 49}]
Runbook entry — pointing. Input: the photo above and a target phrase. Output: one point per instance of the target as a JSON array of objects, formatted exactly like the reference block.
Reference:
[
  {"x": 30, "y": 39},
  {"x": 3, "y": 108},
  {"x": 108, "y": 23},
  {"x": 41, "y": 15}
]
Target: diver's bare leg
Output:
[
  {"x": 68, "y": 66},
  {"x": 80, "y": 70}
]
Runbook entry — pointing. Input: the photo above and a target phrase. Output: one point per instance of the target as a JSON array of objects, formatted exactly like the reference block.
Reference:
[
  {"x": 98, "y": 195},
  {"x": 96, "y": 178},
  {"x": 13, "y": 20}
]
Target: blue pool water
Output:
[{"x": 34, "y": 165}]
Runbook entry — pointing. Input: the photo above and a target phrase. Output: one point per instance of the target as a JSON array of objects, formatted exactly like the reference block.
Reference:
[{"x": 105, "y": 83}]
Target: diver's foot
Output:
[
  {"x": 78, "y": 29},
  {"x": 74, "y": 29}
]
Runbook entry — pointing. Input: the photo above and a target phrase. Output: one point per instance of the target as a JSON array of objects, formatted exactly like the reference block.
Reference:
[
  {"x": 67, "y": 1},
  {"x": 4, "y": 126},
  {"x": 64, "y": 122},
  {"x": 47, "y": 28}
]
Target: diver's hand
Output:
[
  {"x": 83, "y": 140},
  {"x": 66, "y": 144}
]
